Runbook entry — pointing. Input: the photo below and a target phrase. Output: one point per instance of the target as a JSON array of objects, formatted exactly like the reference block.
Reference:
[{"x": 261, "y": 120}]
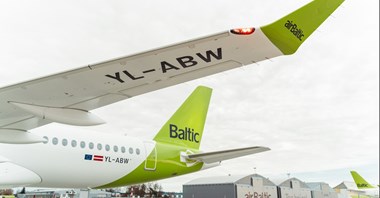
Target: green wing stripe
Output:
[{"x": 289, "y": 32}]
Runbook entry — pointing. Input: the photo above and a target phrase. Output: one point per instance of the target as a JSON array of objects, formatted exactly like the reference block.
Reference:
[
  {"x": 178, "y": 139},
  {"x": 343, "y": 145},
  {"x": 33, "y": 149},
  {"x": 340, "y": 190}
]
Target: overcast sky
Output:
[{"x": 318, "y": 110}]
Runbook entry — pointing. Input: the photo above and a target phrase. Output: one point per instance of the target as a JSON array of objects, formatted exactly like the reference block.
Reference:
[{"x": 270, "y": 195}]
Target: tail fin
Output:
[
  {"x": 361, "y": 183},
  {"x": 185, "y": 127},
  {"x": 289, "y": 32}
]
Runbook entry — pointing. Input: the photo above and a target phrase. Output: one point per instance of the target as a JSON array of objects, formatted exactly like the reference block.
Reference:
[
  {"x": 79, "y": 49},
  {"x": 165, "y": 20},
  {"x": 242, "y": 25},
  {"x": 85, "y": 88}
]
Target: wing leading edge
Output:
[{"x": 78, "y": 91}]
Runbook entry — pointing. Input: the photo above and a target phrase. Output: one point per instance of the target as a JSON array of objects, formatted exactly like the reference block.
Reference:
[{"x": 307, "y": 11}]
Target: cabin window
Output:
[
  {"x": 64, "y": 142},
  {"x": 122, "y": 149},
  {"x": 82, "y": 144},
  {"x": 91, "y": 145},
  {"x": 131, "y": 150},
  {"x": 138, "y": 151},
  {"x": 73, "y": 143},
  {"x": 115, "y": 148},
  {"x": 99, "y": 146},
  {"x": 55, "y": 141},
  {"x": 46, "y": 140},
  {"x": 107, "y": 147}
]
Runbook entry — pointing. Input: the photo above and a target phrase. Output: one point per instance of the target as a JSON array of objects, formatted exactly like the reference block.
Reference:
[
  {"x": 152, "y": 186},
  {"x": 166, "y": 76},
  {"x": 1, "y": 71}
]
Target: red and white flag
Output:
[{"x": 98, "y": 158}]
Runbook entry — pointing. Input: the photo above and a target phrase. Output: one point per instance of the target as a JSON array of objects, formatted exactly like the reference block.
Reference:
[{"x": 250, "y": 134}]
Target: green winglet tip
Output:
[{"x": 289, "y": 32}]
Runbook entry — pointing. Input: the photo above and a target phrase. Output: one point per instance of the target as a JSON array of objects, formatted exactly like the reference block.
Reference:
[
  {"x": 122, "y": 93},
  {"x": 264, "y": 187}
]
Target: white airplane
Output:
[
  {"x": 76, "y": 160},
  {"x": 95, "y": 160}
]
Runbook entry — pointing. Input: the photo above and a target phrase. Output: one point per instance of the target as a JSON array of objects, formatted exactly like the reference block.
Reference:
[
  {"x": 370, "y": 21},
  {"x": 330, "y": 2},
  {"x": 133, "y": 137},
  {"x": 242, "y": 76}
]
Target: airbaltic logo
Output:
[
  {"x": 362, "y": 185},
  {"x": 258, "y": 195},
  {"x": 183, "y": 134},
  {"x": 293, "y": 28}
]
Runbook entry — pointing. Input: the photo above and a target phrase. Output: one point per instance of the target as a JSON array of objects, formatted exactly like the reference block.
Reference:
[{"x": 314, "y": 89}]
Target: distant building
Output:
[
  {"x": 251, "y": 186},
  {"x": 321, "y": 190},
  {"x": 255, "y": 186},
  {"x": 59, "y": 193},
  {"x": 294, "y": 188}
]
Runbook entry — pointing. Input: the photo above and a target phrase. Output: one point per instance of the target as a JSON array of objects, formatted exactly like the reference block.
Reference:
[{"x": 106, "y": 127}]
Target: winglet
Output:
[
  {"x": 289, "y": 32},
  {"x": 361, "y": 183}
]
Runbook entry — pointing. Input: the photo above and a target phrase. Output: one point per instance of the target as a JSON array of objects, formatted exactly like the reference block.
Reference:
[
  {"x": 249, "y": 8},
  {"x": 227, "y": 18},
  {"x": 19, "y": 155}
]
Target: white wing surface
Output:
[
  {"x": 97, "y": 85},
  {"x": 69, "y": 96}
]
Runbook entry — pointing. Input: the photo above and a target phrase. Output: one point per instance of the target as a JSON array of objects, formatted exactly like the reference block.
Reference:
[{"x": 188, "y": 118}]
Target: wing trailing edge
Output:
[{"x": 218, "y": 156}]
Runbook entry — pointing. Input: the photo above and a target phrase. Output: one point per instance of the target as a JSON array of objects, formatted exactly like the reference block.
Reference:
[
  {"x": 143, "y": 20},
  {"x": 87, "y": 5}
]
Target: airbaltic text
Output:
[
  {"x": 183, "y": 134},
  {"x": 293, "y": 28},
  {"x": 362, "y": 185},
  {"x": 258, "y": 195}
]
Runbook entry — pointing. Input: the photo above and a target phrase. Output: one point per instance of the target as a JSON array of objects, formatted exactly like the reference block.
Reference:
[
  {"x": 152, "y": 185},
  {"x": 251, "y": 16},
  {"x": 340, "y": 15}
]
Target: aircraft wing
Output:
[
  {"x": 68, "y": 97},
  {"x": 218, "y": 156}
]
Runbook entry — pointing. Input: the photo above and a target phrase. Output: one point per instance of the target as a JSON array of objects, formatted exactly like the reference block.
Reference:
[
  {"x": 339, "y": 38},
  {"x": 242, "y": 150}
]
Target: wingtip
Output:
[{"x": 289, "y": 32}]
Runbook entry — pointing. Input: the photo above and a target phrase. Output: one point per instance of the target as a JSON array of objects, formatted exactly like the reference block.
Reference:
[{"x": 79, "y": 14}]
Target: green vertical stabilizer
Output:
[
  {"x": 360, "y": 182},
  {"x": 185, "y": 127}
]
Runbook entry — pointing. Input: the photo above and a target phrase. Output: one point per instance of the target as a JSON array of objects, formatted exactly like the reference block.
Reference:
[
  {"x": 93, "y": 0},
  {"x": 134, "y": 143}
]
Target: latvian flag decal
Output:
[
  {"x": 98, "y": 158},
  {"x": 93, "y": 157}
]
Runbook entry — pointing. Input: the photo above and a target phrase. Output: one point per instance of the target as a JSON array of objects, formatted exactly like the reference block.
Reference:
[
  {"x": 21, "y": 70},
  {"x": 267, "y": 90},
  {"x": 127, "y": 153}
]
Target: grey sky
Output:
[{"x": 318, "y": 110}]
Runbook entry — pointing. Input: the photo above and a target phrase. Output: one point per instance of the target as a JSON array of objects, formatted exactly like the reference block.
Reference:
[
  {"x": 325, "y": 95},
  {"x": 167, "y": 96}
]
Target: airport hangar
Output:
[
  {"x": 250, "y": 186},
  {"x": 255, "y": 186}
]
